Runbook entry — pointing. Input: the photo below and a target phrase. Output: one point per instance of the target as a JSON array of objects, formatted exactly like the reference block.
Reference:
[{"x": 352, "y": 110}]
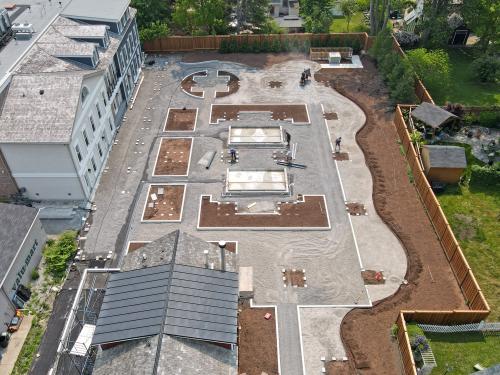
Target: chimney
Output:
[
  {"x": 206, "y": 258},
  {"x": 222, "y": 246}
]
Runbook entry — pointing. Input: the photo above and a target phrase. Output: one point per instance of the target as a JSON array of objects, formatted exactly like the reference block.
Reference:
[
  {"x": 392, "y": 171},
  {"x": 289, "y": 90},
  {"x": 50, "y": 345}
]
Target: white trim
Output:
[
  {"x": 227, "y": 83},
  {"x": 194, "y": 75},
  {"x": 180, "y": 131},
  {"x": 189, "y": 160},
  {"x": 164, "y": 221},
  {"x": 301, "y": 342},
  {"x": 137, "y": 89},
  {"x": 266, "y": 228},
  {"x": 259, "y": 105},
  {"x": 275, "y": 307},
  {"x": 20, "y": 247}
]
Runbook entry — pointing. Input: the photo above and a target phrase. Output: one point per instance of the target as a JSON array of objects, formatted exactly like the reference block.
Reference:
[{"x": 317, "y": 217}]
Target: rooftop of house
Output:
[
  {"x": 15, "y": 223},
  {"x": 432, "y": 115},
  {"x": 171, "y": 351},
  {"x": 446, "y": 156},
  {"x": 96, "y": 9}
]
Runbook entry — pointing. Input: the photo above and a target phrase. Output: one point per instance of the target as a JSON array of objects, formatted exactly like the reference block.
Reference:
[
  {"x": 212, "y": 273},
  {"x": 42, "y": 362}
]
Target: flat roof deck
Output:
[
  {"x": 255, "y": 136},
  {"x": 256, "y": 181}
]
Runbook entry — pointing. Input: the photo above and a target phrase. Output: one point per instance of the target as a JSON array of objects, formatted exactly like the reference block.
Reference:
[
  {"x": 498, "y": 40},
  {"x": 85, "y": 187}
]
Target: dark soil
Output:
[
  {"x": 257, "y": 349},
  {"x": 173, "y": 157},
  {"x": 295, "y": 278},
  {"x": 365, "y": 332},
  {"x": 188, "y": 84},
  {"x": 308, "y": 213},
  {"x": 337, "y": 368},
  {"x": 340, "y": 156},
  {"x": 257, "y": 60},
  {"x": 230, "y": 246},
  {"x": 233, "y": 84},
  {"x": 296, "y": 112},
  {"x": 133, "y": 246},
  {"x": 180, "y": 119},
  {"x": 275, "y": 84},
  {"x": 356, "y": 209},
  {"x": 370, "y": 277},
  {"x": 330, "y": 116},
  {"x": 168, "y": 206}
]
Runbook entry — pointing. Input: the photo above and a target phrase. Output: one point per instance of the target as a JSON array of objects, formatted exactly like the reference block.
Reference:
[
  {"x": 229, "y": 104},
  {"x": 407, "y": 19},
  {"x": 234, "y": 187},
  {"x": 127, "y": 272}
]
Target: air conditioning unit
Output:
[{"x": 24, "y": 28}]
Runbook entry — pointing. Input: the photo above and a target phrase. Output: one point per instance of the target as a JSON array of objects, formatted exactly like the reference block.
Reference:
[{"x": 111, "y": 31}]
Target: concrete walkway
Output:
[
  {"x": 10, "y": 354},
  {"x": 289, "y": 340}
]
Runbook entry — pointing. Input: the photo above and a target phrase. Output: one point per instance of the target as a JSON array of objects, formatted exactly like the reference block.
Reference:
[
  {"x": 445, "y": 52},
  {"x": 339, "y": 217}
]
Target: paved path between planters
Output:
[
  {"x": 289, "y": 340},
  {"x": 9, "y": 356}
]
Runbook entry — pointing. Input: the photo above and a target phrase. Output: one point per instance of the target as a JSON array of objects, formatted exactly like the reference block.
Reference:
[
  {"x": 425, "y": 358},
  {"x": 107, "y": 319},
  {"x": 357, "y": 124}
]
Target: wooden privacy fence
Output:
[
  {"x": 213, "y": 42},
  {"x": 479, "y": 308}
]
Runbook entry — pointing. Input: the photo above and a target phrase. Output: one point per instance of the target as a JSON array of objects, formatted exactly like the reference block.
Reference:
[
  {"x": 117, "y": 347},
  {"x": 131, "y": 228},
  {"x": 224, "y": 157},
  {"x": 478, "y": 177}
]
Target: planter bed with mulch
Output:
[
  {"x": 297, "y": 113},
  {"x": 173, "y": 157},
  {"x": 181, "y": 119},
  {"x": 168, "y": 203}
]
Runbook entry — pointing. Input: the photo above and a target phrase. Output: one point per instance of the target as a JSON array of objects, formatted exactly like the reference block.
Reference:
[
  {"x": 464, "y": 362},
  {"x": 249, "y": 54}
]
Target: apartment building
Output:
[{"x": 67, "y": 97}]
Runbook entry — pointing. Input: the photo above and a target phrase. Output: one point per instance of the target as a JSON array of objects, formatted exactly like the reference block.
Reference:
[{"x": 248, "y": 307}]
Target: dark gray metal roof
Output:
[
  {"x": 15, "y": 222},
  {"x": 432, "y": 115},
  {"x": 203, "y": 304},
  {"x": 446, "y": 156},
  {"x": 183, "y": 301}
]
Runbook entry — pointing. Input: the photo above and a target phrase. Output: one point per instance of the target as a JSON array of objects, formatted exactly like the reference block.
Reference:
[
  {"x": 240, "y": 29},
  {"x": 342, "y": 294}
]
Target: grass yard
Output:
[
  {"x": 339, "y": 25},
  {"x": 459, "y": 352},
  {"x": 462, "y": 87},
  {"x": 473, "y": 212}
]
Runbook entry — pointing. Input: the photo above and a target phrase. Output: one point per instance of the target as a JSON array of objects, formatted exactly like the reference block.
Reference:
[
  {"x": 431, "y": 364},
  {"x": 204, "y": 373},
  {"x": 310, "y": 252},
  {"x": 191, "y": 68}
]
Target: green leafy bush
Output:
[
  {"x": 432, "y": 66},
  {"x": 488, "y": 176},
  {"x": 486, "y": 68},
  {"x": 59, "y": 253},
  {"x": 153, "y": 31},
  {"x": 35, "y": 274},
  {"x": 490, "y": 119}
]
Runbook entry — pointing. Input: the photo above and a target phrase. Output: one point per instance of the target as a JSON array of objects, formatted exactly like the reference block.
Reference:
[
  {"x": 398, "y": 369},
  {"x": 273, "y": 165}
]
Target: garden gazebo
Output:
[{"x": 433, "y": 116}]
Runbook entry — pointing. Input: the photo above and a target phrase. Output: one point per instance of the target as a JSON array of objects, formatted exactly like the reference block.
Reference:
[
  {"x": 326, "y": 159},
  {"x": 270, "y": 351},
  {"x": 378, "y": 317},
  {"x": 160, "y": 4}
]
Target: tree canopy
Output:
[
  {"x": 317, "y": 15},
  {"x": 483, "y": 17}
]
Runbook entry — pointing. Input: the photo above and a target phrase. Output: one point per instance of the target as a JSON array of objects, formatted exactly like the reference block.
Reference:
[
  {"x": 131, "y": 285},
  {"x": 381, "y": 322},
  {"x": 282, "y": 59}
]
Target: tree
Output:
[
  {"x": 483, "y": 17},
  {"x": 379, "y": 14},
  {"x": 270, "y": 26},
  {"x": 486, "y": 68},
  {"x": 435, "y": 29},
  {"x": 254, "y": 13},
  {"x": 149, "y": 11},
  {"x": 348, "y": 7},
  {"x": 154, "y": 30},
  {"x": 200, "y": 17},
  {"x": 317, "y": 15},
  {"x": 432, "y": 67}
]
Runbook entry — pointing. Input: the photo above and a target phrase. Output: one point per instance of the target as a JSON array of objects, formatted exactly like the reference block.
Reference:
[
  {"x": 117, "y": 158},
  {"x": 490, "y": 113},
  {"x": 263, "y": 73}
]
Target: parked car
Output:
[
  {"x": 4, "y": 339},
  {"x": 15, "y": 323}
]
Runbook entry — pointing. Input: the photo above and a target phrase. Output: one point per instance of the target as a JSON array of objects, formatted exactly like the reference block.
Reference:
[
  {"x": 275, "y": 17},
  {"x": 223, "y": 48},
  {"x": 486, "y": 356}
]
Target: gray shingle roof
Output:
[
  {"x": 432, "y": 115},
  {"x": 15, "y": 222},
  {"x": 446, "y": 156}
]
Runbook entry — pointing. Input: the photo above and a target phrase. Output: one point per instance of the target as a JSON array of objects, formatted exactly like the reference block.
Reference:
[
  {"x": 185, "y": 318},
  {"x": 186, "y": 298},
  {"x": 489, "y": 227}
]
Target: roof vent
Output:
[{"x": 41, "y": 92}]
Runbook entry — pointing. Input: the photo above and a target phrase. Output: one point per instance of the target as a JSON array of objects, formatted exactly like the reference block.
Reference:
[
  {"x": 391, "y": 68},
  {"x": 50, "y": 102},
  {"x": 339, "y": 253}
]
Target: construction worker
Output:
[
  {"x": 232, "y": 152},
  {"x": 337, "y": 144},
  {"x": 288, "y": 138}
]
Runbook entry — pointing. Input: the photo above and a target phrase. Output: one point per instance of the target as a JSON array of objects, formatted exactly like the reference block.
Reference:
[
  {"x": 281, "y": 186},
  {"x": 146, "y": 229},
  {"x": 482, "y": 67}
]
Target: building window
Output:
[
  {"x": 85, "y": 138},
  {"x": 99, "y": 149},
  {"x": 94, "y": 167},
  {"x": 110, "y": 124},
  {"x": 85, "y": 93},
  {"x": 104, "y": 99},
  {"x": 92, "y": 123},
  {"x": 98, "y": 110},
  {"x": 78, "y": 153}
]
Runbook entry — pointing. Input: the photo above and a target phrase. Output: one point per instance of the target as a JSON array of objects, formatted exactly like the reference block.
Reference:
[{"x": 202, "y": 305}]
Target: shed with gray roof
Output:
[
  {"x": 444, "y": 163},
  {"x": 432, "y": 115}
]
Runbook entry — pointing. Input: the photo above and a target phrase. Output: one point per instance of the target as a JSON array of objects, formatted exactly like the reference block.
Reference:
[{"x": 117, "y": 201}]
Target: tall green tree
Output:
[
  {"x": 200, "y": 17},
  {"x": 317, "y": 15},
  {"x": 379, "y": 15},
  {"x": 483, "y": 17},
  {"x": 433, "y": 67},
  {"x": 254, "y": 13},
  {"x": 348, "y": 7},
  {"x": 149, "y": 11}
]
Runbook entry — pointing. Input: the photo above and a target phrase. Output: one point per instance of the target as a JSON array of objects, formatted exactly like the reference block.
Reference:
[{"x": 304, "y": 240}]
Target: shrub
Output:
[
  {"x": 488, "y": 176},
  {"x": 433, "y": 67},
  {"x": 490, "y": 119},
  {"x": 406, "y": 39},
  {"x": 486, "y": 68},
  {"x": 35, "y": 274},
  {"x": 59, "y": 253},
  {"x": 153, "y": 31}
]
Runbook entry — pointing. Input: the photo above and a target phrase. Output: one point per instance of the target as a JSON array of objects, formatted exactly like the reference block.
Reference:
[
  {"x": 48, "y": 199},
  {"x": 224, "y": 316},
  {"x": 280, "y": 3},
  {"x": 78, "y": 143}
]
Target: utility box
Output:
[
  {"x": 334, "y": 57},
  {"x": 246, "y": 282}
]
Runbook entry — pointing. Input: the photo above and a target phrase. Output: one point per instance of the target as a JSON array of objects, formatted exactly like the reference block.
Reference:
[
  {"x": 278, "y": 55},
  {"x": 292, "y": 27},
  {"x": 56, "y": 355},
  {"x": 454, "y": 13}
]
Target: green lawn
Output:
[
  {"x": 339, "y": 25},
  {"x": 474, "y": 212},
  {"x": 459, "y": 352},
  {"x": 462, "y": 87}
]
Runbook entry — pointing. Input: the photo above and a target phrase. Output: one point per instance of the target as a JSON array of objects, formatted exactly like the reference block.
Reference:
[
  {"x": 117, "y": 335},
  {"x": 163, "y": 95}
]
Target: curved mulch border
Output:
[{"x": 431, "y": 283}]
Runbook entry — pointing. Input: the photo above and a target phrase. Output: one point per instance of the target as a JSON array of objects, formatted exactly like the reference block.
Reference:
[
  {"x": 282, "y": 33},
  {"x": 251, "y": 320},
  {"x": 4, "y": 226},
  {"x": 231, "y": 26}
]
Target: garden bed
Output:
[
  {"x": 233, "y": 84},
  {"x": 168, "y": 203},
  {"x": 181, "y": 119},
  {"x": 355, "y": 209},
  {"x": 189, "y": 83},
  {"x": 297, "y": 113},
  {"x": 173, "y": 157},
  {"x": 340, "y": 156},
  {"x": 231, "y": 246}
]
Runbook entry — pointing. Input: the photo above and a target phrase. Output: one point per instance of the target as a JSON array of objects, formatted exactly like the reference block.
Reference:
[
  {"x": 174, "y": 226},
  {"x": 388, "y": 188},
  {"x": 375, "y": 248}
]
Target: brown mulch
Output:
[
  {"x": 230, "y": 245},
  {"x": 311, "y": 212},
  {"x": 356, "y": 209},
  {"x": 257, "y": 60},
  {"x": 337, "y": 368},
  {"x": 370, "y": 277},
  {"x": 330, "y": 116},
  {"x": 188, "y": 84},
  {"x": 133, "y": 246},
  {"x": 340, "y": 156},
  {"x": 295, "y": 278},
  {"x": 180, "y": 119},
  {"x": 168, "y": 207},
  {"x": 173, "y": 157},
  {"x": 275, "y": 84},
  {"x": 365, "y": 332},
  {"x": 257, "y": 345},
  {"x": 233, "y": 84},
  {"x": 297, "y": 112}
]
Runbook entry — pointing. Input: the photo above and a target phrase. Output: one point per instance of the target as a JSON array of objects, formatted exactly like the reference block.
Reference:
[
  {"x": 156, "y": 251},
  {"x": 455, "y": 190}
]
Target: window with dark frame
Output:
[
  {"x": 78, "y": 153},
  {"x": 85, "y": 138}
]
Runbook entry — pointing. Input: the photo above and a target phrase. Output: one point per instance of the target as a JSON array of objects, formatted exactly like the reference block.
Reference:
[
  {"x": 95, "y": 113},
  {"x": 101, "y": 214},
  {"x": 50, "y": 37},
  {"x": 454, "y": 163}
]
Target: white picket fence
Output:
[{"x": 485, "y": 327}]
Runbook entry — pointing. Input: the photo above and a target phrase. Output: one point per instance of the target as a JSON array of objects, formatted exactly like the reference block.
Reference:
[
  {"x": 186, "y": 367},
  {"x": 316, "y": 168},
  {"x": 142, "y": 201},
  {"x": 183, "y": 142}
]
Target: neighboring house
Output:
[
  {"x": 444, "y": 163},
  {"x": 67, "y": 97},
  {"x": 171, "y": 309},
  {"x": 21, "y": 242},
  {"x": 286, "y": 14}
]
